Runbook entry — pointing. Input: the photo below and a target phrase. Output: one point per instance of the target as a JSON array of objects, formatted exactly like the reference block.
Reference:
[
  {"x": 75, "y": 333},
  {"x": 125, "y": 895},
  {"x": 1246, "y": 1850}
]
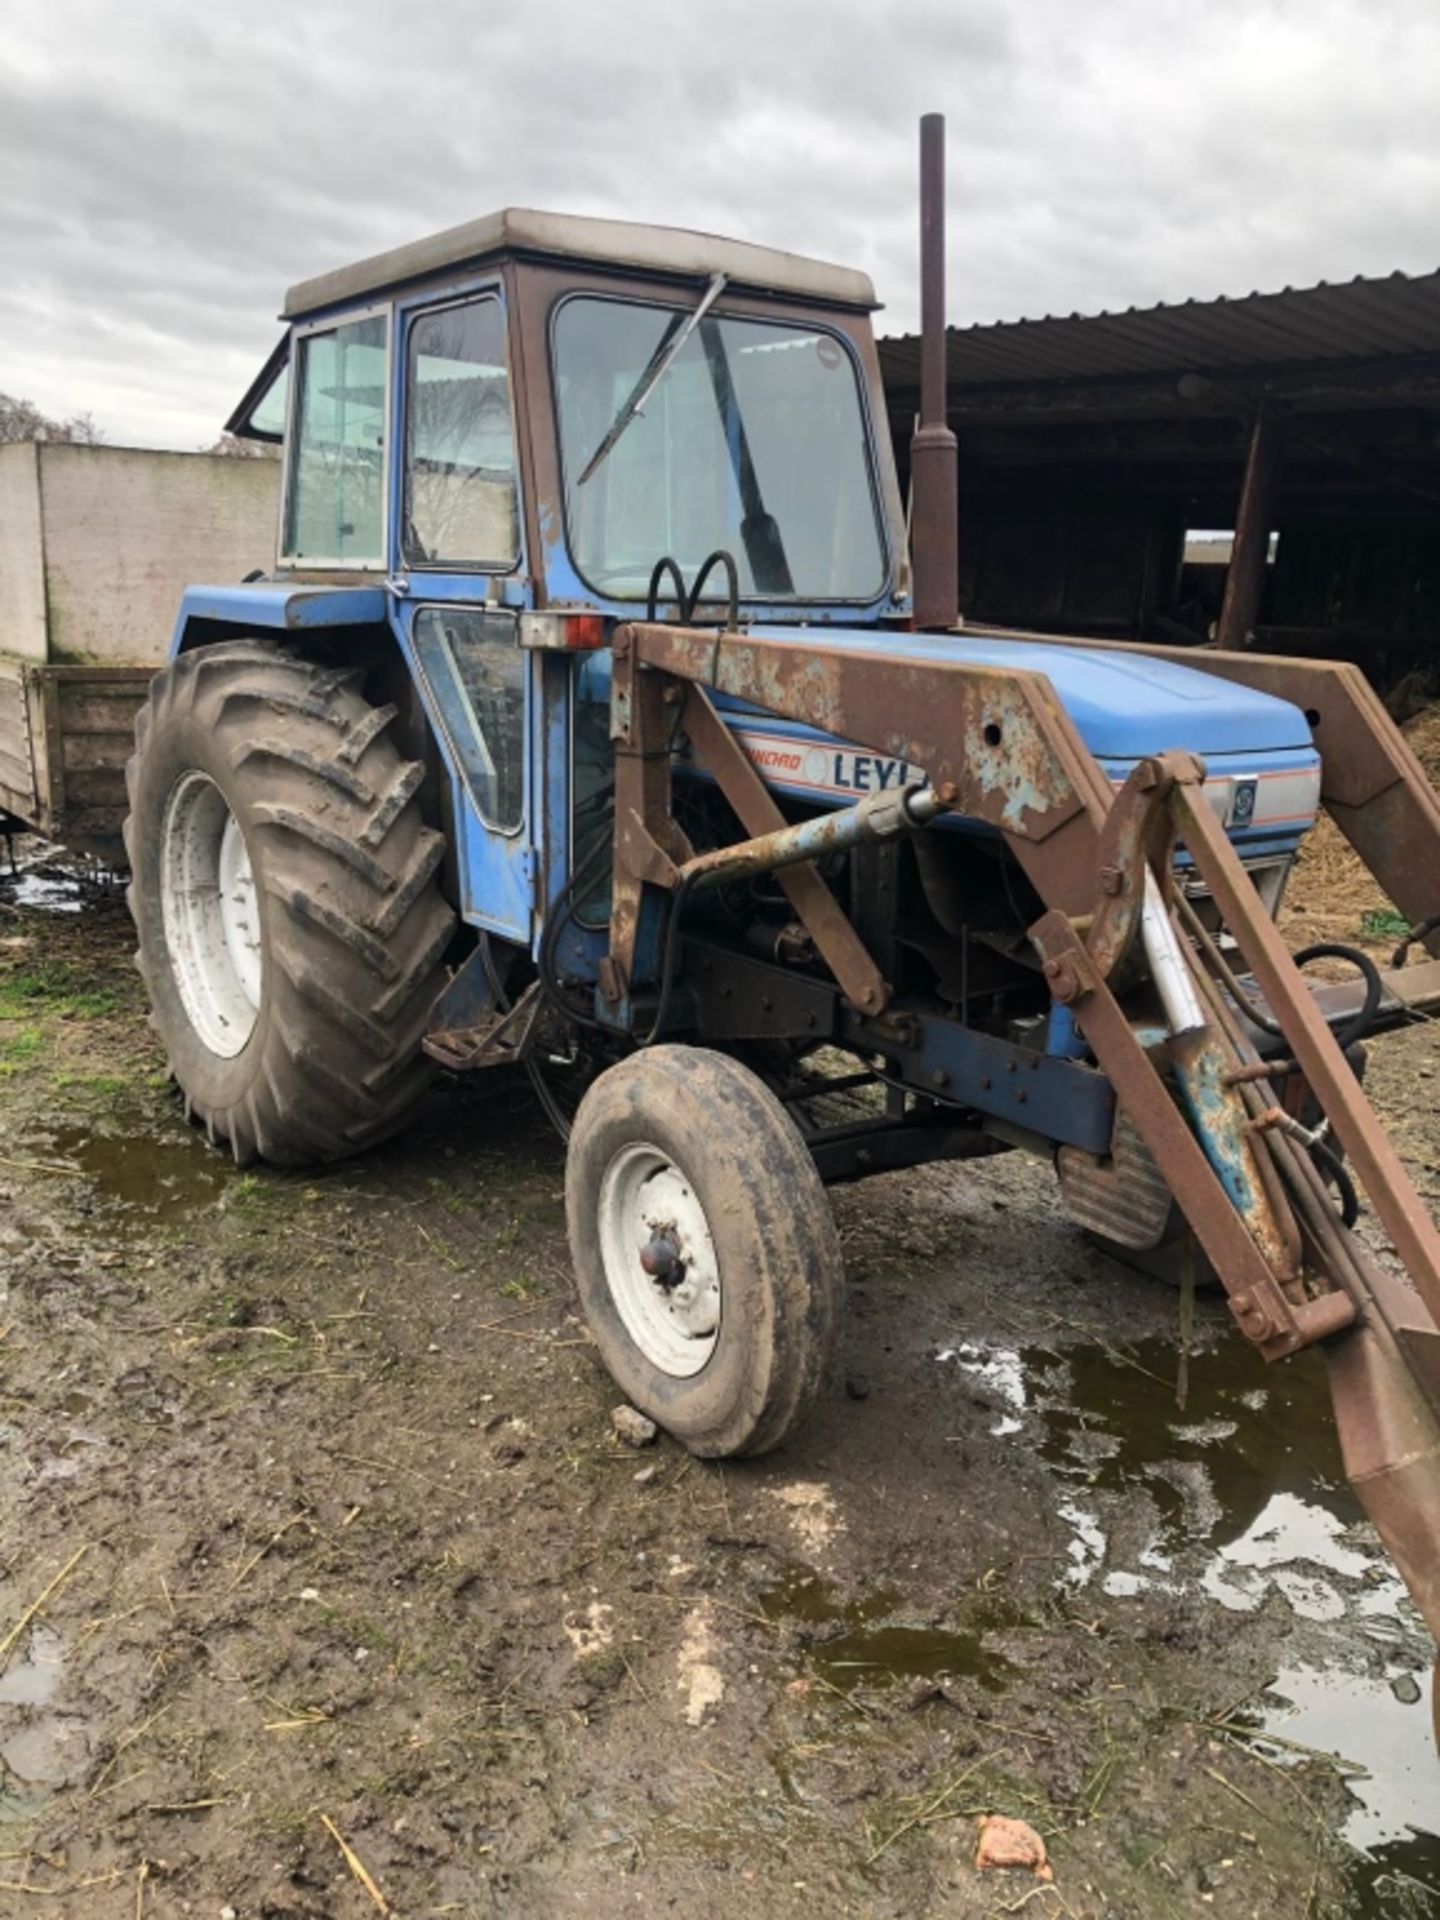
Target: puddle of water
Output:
[
  {"x": 1251, "y": 1502},
  {"x": 1001, "y": 1370},
  {"x": 155, "y": 1176},
  {"x": 49, "y": 1752},
  {"x": 40, "y": 1749},
  {"x": 860, "y": 1642},
  {"x": 1399, "y": 1795},
  {"x": 1248, "y": 1476},
  {"x": 49, "y": 889},
  {"x": 1395, "y": 1822},
  {"x": 31, "y": 1681}
]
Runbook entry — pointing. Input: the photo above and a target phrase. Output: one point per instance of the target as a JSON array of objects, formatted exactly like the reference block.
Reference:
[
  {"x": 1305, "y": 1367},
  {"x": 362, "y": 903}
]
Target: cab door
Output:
[{"x": 456, "y": 550}]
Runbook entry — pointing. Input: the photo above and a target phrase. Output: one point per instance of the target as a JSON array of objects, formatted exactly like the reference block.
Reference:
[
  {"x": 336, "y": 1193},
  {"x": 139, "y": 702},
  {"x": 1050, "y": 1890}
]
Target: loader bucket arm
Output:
[
  {"x": 998, "y": 746},
  {"x": 1372, "y": 785}
]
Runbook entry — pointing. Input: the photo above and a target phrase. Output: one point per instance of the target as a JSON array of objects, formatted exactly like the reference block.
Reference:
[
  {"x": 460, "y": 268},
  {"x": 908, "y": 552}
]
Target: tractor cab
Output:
[
  {"x": 534, "y": 410},
  {"x": 531, "y": 427}
]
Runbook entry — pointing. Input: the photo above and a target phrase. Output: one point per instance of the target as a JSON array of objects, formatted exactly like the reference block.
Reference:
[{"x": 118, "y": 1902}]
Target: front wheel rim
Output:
[
  {"x": 211, "y": 911},
  {"x": 649, "y": 1212}
]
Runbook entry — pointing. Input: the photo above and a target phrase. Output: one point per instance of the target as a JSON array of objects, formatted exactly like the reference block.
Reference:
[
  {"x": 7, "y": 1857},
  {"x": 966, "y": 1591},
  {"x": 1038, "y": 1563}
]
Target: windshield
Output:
[{"x": 753, "y": 440}]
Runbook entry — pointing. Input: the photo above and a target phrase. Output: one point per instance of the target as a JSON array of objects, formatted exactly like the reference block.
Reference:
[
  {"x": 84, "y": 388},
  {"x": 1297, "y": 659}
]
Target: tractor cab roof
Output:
[{"x": 623, "y": 244}]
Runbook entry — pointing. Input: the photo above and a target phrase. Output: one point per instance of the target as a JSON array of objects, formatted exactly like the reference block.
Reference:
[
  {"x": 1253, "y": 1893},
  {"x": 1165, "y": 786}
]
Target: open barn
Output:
[{"x": 1256, "y": 471}]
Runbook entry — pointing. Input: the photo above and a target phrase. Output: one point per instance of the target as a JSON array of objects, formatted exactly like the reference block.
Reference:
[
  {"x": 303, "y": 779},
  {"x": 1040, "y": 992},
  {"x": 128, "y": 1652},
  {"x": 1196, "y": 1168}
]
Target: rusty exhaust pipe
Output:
[{"x": 934, "y": 458}]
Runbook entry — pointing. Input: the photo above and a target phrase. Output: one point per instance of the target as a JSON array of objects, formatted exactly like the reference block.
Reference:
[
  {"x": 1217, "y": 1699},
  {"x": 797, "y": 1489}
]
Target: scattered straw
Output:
[
  {"x": 1239, "y": 1793},
  {"x": 123, "y": 1745},
  {"x": 356, "y": 1864},
  {"x": 255, "y": 1558},
  {"x": 931, "y": 1810},
  {"x": 1331, "y": 889},
  {"x": 35, "y": 1605},
  {"x": 65, "y": 1886}
]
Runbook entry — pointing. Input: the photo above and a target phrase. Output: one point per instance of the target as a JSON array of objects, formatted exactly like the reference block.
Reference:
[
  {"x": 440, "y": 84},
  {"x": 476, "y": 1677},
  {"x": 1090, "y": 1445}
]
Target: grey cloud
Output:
[{"x": 168, "y": 170}]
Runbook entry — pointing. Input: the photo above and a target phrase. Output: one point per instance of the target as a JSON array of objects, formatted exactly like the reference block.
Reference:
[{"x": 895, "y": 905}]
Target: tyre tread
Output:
[{"x": 357, "y": 926}]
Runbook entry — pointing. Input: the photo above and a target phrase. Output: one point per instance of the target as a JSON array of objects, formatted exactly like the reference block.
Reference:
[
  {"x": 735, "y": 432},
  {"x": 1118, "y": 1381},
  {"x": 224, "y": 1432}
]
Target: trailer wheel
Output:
[
  {"x": 291, "y": 929},
  {"x": 704, "y": 1247}
]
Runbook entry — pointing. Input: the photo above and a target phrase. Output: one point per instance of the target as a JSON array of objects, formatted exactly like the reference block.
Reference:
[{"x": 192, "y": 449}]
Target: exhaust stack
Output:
[{"x": 934, "y": 460}]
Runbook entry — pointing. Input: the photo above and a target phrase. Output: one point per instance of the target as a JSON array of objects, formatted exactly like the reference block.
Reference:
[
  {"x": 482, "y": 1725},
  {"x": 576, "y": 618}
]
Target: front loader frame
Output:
[
  {"x": 1372, "y": 785},
  {"x": 998, "y": 747}
]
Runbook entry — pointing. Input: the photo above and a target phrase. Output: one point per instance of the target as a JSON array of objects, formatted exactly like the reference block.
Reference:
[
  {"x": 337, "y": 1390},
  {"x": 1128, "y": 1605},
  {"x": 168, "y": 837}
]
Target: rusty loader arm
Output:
[{"x": 1146, "y": 983}]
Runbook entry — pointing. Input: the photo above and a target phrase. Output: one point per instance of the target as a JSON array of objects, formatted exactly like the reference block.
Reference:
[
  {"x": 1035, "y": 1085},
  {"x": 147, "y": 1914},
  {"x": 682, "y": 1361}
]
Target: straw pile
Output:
[{"x": 1331, "y": 893}]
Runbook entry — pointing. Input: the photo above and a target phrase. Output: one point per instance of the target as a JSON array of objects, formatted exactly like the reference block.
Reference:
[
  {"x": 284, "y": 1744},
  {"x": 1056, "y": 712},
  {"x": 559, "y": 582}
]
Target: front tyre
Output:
[
  {"x": 283, "y": 886},
  {"x": 704, "y": 1247}
]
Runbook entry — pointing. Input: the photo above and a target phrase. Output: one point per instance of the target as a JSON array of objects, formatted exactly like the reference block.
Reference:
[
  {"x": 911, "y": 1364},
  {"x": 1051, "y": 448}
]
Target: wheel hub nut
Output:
[{"x": 660, "y": 1257}]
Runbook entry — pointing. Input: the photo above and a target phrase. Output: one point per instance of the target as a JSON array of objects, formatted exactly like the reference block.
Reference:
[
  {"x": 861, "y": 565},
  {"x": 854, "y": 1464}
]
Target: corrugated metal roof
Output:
[{"x": 1359, "y": 320}]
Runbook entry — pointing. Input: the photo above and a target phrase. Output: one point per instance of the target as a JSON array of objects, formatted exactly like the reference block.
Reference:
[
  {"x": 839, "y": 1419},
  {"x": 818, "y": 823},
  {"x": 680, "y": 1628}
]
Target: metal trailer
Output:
[
  {"x": 96, "y": 545},
  {"x": 590, "y": 712}
]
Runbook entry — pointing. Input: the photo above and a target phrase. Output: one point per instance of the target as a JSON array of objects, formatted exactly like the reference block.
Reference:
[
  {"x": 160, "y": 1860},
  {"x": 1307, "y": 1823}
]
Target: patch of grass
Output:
[
  {"x": 358, "y": 1629},
  {"x": 506, "y": 1236},
  {"x": 253, "y": 1193},
  {"x": 109, "y": 1084},
  {"x": 261, "y": 1356},
  {"x": 20, "y": 1051},
  {"x": 603, "y": 1671},
  {"x": 56, "y": 988},
  {"x": 293, "y": 1822},
  {"x": 441, "y": 1250},
  {"x": 449, "y": 1197},
  {"x": 1381, "y": 923}
]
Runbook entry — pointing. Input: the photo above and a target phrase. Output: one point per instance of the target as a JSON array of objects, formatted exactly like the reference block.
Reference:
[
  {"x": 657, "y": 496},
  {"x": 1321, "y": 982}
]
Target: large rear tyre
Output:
[
  {"x": 704, "y": 1247},
  {"x": 283, "y": 886}
]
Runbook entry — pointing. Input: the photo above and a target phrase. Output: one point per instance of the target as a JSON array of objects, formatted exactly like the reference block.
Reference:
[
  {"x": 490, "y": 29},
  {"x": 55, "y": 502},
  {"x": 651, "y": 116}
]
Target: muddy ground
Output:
[{"x": 315, "y": 1482}]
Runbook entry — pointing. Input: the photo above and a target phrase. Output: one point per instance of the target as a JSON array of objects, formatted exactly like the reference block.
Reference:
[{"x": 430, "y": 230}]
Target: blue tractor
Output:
[{"x": 598, "y": 708}]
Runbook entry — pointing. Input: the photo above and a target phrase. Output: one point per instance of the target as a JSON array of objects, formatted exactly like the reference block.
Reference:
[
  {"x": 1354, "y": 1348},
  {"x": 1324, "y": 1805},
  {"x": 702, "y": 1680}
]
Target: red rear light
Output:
[
  {"x": 558, "y": 631},
  {"x": 584, "y": 630}
]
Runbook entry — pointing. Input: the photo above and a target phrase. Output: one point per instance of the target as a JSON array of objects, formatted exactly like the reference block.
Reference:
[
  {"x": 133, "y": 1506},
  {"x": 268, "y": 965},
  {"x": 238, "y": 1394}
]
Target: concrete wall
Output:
[
  {"x": 126, "y": 531},
  {"x": 22, "y": 566}
]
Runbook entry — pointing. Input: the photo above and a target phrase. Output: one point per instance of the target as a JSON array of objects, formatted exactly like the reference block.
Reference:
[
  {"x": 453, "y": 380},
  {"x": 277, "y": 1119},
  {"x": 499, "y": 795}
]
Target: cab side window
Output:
[{"x": 461, "y": 501}]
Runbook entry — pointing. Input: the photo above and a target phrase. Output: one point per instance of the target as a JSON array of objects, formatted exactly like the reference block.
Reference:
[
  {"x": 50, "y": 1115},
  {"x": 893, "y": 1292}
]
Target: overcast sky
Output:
[{"x": 169, "y": 167}]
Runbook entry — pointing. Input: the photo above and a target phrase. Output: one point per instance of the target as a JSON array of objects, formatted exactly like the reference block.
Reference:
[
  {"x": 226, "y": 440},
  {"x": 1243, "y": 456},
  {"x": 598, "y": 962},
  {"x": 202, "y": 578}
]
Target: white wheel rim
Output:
[
  {"x": 675, "y": 1319},
  {"x": 211, "y": 911}
]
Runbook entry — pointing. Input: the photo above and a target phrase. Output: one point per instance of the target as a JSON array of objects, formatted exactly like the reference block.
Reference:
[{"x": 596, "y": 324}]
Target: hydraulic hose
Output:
[
  {"x": 667, "y": 964},
  {"x": 1333, "y": 1168},
  {"x": 1357, "y": 1027},
  {"x": 559, "y": 918}
]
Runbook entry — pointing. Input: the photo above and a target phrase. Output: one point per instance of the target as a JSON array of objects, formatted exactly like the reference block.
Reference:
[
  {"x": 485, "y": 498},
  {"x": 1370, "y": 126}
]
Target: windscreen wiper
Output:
[
  {"x": 661, "y": 360},
  {"x": 759, "y": 529}
]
